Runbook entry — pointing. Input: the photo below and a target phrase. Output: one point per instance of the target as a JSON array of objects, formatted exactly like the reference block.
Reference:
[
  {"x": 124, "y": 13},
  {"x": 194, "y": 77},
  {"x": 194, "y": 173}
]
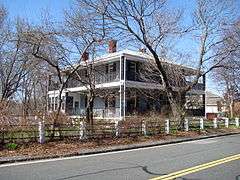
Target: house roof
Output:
[{"x": 128, "y": 53}]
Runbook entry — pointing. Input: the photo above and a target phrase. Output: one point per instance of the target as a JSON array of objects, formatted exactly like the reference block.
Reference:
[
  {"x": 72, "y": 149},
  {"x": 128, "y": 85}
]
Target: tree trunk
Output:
[
  {"x": 231, "y": 108},
  {"x": 89, "y": 110},
  {"x": 55, "y": 118},
  {"x": 175, "y": 98},
  {"x": 177, "y": 102}
]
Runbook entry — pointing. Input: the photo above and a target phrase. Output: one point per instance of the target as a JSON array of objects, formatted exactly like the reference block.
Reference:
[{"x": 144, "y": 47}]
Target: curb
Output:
[{"x": 113, "y": 149}]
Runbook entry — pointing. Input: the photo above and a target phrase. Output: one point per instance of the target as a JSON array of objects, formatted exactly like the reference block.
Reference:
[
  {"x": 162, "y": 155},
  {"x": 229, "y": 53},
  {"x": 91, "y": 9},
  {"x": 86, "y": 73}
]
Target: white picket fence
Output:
[{"x": 167, "y": 126}]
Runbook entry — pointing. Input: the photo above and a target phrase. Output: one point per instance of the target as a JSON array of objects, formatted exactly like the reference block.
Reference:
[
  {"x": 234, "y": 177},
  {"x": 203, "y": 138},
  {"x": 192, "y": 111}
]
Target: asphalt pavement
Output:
[{"x": 216, "y": 158}]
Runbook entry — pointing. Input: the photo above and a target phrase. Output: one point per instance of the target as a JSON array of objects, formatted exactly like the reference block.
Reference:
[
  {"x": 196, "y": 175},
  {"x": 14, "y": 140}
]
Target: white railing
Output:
[
  {"x": 99, "y": 79},
  {"x": 98, "y": 112}
]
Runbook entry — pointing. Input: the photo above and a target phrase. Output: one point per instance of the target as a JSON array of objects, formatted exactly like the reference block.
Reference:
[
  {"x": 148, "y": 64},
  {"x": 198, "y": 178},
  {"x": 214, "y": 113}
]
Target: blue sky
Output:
[{"x": 33, "y": 9}]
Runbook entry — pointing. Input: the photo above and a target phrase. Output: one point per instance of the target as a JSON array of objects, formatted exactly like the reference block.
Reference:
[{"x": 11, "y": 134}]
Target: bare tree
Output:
[
  {"x": 33, "y": 91},
  {"x": 153, "y": 24},
  {"x": 83, "y": 26},
  {"x": 44, "y": 47},
  {"x": 228, "y": 75},
  {"x": 57, "y": 47},
  {"x": 13, "y": 60}
]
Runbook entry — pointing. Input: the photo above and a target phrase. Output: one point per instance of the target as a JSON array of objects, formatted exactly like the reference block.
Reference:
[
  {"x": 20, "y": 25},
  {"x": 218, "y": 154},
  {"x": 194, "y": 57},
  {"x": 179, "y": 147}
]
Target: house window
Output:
[
  {"x": 106, "y": 69},
  {"x": 86, "y": 100},
  {"x": 110, "y": 68},
  {"x": 56, "y": 103},
  {"x": 83, "y": 73},
  {"x": 76, "y": 106},
  {"x": 52, "y": 104},
  {"x": 69, "y": 104},
  {"x": 131, "y": 70},
  {"x": 106, "y": 103},
  {"x": 110, "y": 102},
  {"x": 132, "y": 66},
  {"x": 63, "y": 103},
  {"x": 49, "y": 104}
]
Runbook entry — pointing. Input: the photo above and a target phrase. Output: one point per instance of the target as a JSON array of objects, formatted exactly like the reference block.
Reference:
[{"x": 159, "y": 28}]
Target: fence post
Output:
[
  {"x": 201, "y": 123},
  {"x": 117, "y": 128},
  {"x": 82, "y": 130},
  {"x": 144, "y": 130},
  {"x": 215, "y": 123},
  {"x": 41, "y": 130},
  {"x": 237, "y": 122},
  {"x": 186, "y": 127},
  {"x": 226, "y": 122},
  {"x": 167, "y": 126}
]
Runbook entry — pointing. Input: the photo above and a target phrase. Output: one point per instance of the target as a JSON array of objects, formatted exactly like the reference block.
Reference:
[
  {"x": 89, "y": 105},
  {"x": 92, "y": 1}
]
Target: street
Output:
[{"x": 146, "y": 163}]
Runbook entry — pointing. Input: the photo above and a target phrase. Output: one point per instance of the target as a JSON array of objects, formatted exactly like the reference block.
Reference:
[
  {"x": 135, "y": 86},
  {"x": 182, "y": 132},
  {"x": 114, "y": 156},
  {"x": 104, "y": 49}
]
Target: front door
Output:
[{"x": 69, "y": 105}]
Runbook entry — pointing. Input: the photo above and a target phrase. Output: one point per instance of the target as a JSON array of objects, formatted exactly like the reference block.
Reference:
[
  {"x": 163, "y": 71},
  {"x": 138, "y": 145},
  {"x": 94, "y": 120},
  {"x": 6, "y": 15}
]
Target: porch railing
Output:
[
  {"x": 105, "y": 78},
  {"x": 98, "y": 112},
  {"x": 99, "y": 79},
  {"x": 198, "y": 86}
]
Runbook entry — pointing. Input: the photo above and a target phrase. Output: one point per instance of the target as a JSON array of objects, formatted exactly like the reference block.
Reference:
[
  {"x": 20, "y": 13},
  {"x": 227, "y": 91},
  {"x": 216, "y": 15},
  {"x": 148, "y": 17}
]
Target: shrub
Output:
[{"x": 11, "y": 146}]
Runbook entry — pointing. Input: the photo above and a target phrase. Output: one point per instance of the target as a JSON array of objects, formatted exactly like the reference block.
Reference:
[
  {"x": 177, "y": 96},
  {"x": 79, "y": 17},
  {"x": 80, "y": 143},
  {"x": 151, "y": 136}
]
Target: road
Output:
[{"x": 146, "y": 163}]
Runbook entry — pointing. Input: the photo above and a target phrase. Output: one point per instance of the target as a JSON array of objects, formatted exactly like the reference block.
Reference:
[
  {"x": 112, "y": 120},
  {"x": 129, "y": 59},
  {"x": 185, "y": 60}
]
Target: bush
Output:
[{"x": 11, "y": 146}]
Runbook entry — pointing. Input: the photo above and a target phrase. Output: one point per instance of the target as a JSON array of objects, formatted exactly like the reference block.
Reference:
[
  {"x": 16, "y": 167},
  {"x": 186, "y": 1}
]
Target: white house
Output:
[{"x": 118, "y": 80}]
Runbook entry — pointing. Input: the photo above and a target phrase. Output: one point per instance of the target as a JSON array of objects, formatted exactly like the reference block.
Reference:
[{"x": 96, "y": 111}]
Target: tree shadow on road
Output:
[{"x": 144, "y": 168}]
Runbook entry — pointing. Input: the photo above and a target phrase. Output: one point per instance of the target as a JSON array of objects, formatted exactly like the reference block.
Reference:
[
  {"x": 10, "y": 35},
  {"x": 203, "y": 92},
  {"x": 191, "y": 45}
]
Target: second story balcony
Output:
[
  {"x": 98, "y": 79},
  {"x": 106, "y": 78},
  {"x": 134, "y": 71}
]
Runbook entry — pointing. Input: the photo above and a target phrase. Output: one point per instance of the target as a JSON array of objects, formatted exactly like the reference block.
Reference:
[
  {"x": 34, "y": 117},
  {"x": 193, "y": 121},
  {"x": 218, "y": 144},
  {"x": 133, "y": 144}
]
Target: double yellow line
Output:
[{"x": 197, "y": 168}]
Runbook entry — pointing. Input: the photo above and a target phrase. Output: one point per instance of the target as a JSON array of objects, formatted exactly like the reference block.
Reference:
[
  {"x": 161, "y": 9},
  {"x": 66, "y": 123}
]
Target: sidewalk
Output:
[{"x": 88, "y": 151}]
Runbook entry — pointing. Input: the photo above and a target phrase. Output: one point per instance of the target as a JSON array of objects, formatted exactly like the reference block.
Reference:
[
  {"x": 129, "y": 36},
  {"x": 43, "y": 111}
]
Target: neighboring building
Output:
[
  {"x": 214, "y": 105},
  {"x": 118, "y": 82}
]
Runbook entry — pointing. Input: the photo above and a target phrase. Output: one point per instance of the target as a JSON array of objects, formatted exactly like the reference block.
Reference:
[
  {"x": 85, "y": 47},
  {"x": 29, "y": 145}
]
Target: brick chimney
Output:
[
  {"x": 85, "y": 56},
  {"x": 112, "y": 46}
]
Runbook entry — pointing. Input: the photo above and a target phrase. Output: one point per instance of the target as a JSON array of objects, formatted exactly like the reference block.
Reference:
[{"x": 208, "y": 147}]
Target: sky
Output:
[{"x": 32, "y": 10}]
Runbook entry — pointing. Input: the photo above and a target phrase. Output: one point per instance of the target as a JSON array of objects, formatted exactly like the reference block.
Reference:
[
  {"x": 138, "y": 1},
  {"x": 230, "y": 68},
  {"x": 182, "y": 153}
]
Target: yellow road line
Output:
[{"x": 197, "y": 168}]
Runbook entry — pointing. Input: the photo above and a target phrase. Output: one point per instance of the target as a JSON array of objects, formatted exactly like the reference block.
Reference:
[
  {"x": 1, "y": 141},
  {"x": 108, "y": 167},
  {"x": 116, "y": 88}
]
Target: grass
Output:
[{"x": 11, "y": 146}]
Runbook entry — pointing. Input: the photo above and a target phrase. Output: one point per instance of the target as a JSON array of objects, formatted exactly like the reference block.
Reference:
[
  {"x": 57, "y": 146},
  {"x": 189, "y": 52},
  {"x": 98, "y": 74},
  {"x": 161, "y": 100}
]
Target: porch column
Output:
[
  {"x": 124, "y": 88},
  {"x": 120, "y": 90},
  {"x": 65, "y": 103},
  {"x": 204, "y": 96},
  {"x": 54, "y": 101},
  {"x": 48, "y": 97}
]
